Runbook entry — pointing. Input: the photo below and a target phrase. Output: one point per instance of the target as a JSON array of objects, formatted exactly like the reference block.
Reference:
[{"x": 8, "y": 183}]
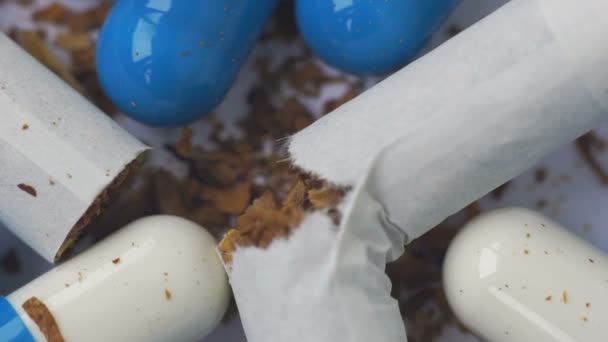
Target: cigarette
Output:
[
  {"x": 156, "y": 279},
  {"x": 514, "y": 275},
  {"x": 62, "y": 160}
]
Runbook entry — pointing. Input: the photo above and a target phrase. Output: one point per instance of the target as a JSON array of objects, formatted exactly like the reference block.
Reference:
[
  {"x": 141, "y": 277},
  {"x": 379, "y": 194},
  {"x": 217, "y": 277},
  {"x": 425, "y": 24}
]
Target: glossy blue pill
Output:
[
  {"x": 369, "y": 36},
  {"x": 170, "y": 62}
]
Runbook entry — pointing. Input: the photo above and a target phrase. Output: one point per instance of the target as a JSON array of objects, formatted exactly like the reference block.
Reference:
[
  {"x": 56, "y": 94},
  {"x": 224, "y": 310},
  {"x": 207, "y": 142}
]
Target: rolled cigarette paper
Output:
[
  {"x": 514, "y": 275},
  {"x": 416, "y": 148},
  {"x": 61, "y": 157},
  {"x": 157, "y": 279}
]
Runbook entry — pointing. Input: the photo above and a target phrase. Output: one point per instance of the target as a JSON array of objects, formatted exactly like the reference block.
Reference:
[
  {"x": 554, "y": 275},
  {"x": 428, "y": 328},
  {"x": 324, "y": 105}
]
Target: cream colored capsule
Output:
[
  {"x": 514, "y": 275},
  {"x": 157, "y": 279}
]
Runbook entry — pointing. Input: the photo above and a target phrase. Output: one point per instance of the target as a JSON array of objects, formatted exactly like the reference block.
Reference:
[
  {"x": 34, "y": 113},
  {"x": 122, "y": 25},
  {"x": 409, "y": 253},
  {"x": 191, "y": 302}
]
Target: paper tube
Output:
[
  {"x": 58, "y": 152},
  {"x": 418, "y": 147}
]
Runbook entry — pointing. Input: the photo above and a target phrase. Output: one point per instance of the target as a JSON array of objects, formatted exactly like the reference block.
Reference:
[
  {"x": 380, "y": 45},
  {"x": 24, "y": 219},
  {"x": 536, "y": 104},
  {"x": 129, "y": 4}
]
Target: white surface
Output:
[
  {"x": 69, "y": 154},
  {"x": 94, "y": 299},
  {"x": 418, "y": 147},
  {"x": 501, "y": 268}
]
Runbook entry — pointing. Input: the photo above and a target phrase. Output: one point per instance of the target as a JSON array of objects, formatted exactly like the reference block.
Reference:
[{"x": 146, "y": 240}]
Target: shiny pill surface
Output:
[
  {"x": 369, "y": 36},
  {"x": 514, "y": 275},
  {"x": 169, "y": 63},
  {"x": 157, "y": 279}
]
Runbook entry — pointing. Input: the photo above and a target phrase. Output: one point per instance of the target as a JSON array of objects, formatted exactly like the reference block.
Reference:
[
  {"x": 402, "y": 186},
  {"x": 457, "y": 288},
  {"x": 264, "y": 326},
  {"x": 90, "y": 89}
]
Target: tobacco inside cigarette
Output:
[
  {"x": 267, "y": 218},
  {"x": 100, "y": 204}
]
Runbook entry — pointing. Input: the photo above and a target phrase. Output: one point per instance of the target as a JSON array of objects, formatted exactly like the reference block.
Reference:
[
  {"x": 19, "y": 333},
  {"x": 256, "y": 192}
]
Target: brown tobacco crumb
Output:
[
  {"x": 54, "y": 13},
  {"x": 540, "y": 175},
  {"x": 588, "y": 145},
  {"x": 585, "y": 318},
  {"x": 89, "y": 19},
  {"x": 500, "y": 191},
  {"x": 231, "y": 200},
  {"x": 265, "y": 220},
  {"x": 565, "y": 297},
  {"x": 587, "y": 305},
  {"x": 324, "y": 197},
  {"x": 548, "y": 298},
  {"x": 591, "y": 261},
  {"x": 526, "y": 251},
  {"x": 40, "y": 314},
  {"x": 528, "y": 235},
  {"x": 168, "y": 294},
  {"x": 25, "y": 127},
  {"x": 541, "y": 204},
  {"x": 73, "y": 41},
  {"x": 184, "y": 145},
  {"x": 51, "y": 182},
  {"x": 10, "y": 262},
  {"x": 116, "y": 261},
  {"x": 28, "y": 188}
]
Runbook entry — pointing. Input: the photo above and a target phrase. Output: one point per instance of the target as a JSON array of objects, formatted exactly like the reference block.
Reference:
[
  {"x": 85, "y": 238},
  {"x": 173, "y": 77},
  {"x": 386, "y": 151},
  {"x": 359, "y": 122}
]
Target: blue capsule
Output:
[
  {"x": 170, "y": 62},
  {"x": 369, "y": 36}
]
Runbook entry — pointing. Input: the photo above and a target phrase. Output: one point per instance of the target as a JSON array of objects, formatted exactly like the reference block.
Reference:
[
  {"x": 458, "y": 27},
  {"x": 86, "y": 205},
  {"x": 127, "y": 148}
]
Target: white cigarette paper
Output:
[
  {"x": 53, "y": 142},
  {"x": 418, "y": 147}
]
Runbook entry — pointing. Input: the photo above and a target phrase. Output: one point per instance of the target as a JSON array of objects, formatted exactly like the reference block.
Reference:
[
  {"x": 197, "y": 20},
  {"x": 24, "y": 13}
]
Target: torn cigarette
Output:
[
  {"x": 62, "y": 158},
  {"x": 416, "y": 148}
]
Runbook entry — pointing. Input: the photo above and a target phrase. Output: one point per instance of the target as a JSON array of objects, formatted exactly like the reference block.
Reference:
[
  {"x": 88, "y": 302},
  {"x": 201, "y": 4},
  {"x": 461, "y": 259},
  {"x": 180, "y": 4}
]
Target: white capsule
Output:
[
  {"x": 514, "y": 275},
  {"x": 157, "y": 279}
]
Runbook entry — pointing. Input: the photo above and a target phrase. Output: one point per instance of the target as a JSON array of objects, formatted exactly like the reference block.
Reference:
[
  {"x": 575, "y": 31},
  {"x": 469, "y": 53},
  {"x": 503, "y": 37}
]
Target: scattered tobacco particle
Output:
[
  {"x": 548, "y": 298},
  {"x": 565, "y": 297},
  {"x": 587, "y": 305},
  {"x": 541, "y": 204},
  {"x": 591, "y": 260},
  {"x": 528, "y": 235},
  {"x": 55, "y": 13},
  {"x": 526, "y": 251},
  {"x": 25, "y": 127},
  {"x": 10, "y": 262},
  {"x": 184, "y": 145},
  {"x": 540, "y": 175},
  {"x": 89, "y": 19},
  {"x": 73, "y": 41},
  {"x": 168, "y": 294},
  {"x": 28, "y": 189},
  {"x": 44, "y": 319},
  {"x": 116, "y": 261},
  {"x": 585, "y": 318},
  {"x": 588, "y": 145},
  {"x": 500, "y": 191}
]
